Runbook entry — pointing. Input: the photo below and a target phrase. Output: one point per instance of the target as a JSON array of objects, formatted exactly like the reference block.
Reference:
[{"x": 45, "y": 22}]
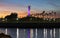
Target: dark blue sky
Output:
[{"x": 35, "y": 4}]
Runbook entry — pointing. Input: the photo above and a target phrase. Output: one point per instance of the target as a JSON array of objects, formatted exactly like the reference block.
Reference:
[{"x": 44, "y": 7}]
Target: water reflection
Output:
[
  {"x": 12, "y": 32},
  {"x": 51, "y": 33},
  {"x": 45, "y": 33},
  {"x": 54, "y": 32},
  {"x": 6, "y": 31},
  {"x": 32, "y": 33},
  {"x": 17, "y": 32},
  {"x": 36, "y": 33}
]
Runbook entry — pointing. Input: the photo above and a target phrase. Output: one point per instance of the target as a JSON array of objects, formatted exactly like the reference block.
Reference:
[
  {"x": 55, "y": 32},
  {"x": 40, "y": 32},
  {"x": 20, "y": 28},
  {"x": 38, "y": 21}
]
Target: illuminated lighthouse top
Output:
[{"x": 28, "y": 10}]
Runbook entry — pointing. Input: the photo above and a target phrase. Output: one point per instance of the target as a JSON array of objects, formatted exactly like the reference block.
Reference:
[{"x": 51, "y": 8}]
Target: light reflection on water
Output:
[
  {"x": 51, "y": 33},
  {"x": 34, "y": 33}
]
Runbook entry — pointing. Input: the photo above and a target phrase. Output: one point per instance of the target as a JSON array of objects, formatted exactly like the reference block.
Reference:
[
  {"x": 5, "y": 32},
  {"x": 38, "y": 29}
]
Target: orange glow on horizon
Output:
[
  {"x": 21, "y": 14},
  {"x": 5, "y": 13}
]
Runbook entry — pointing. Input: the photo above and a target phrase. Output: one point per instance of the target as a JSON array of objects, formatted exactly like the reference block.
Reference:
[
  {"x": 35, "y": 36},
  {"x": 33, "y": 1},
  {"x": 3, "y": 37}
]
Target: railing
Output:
[{"x": 33, "y": 33}]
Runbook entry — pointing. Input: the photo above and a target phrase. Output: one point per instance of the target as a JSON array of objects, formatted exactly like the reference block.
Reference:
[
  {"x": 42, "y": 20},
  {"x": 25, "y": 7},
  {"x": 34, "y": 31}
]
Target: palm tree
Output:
[
  {"x": 50, "y": 15},
  {"x": 46, "y": 15},
  {"x": 43, "y": 14},
  {"x": 54, "y": 15}
]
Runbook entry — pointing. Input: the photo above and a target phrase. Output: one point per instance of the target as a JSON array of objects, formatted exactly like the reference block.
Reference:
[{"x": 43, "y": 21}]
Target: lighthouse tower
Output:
[{"x": 28, "y": 10}]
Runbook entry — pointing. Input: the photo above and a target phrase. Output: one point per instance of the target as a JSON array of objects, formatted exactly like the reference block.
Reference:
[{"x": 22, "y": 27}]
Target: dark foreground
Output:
[{"x": 30, "y": 25}]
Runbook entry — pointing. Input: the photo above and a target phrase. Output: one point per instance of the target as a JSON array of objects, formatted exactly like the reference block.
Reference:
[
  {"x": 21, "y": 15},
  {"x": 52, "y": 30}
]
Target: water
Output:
[{"x": 32, "y": 33}]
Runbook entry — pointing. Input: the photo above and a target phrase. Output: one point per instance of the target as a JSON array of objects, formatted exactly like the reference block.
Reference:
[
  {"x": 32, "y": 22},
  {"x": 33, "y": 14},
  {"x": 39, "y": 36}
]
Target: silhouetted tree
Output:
[
  {"x": 2, "y": 35},
  {"x": 46, "y": 14},
  {"x": 43, "y": 13},
  {"x": 54, "y": 13},
  {"x": 50, "y": 14},
  {"x": 54, "y": 16},
  {"x": 13, "y": 16},
  {"x": 7, "y": 17}
]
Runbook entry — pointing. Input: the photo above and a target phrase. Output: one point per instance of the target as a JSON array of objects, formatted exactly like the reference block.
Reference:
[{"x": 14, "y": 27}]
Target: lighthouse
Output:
[{"x": 28, "y": 10}]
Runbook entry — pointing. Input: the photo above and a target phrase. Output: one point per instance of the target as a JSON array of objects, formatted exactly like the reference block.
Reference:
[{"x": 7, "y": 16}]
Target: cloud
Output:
[{"x": 53, "y": 4}]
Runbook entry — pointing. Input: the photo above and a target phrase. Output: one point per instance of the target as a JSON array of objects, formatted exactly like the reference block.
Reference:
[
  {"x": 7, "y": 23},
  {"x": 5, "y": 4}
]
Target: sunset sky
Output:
[{"x": 20, "y": 6}]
